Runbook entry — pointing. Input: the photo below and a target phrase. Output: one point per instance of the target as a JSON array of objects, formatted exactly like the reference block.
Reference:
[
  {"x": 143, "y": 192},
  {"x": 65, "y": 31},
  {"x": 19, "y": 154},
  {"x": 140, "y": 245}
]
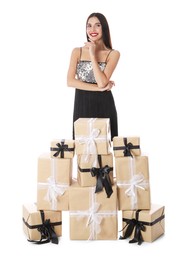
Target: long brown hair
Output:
[{"x": 105, "y": 29}]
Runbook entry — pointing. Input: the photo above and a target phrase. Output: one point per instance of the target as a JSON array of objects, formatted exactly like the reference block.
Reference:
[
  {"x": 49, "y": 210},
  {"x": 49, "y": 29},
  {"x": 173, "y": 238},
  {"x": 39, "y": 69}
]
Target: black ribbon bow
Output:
[
  {"x": 61, "y": 148},
  {"x": 132, "y": 224},
  {"x": 103, "y": 178},
  {"x": 128, "y": 147},
  {"x": 47, "y": 231}
]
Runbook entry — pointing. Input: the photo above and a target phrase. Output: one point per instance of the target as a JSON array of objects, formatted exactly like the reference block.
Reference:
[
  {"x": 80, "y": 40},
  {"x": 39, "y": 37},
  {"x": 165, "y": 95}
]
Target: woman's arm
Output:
[
  {"x": 72, "y": 81},
  {"x": 102, "y": 77}
]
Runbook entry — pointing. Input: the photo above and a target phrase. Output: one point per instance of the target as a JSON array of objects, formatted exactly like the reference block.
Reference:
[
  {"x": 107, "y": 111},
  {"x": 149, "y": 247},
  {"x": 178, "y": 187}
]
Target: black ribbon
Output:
[
  {"x": 61, "y": 148},
  {"x": 103, "y": 178},
  {"x": 132, "y": 224},
  {"x": 127, "y": 147},
  {"x": 46, "y": 230}
]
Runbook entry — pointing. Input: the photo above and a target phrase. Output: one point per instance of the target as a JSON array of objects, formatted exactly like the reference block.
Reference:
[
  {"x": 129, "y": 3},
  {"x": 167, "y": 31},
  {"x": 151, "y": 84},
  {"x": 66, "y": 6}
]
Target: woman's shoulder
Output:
[
  {"x": 113, "y": 55},
  {"x": 115, "y": 52},
  {"x": 76, "y": 53},
  {"x": 76, "y": 50}
]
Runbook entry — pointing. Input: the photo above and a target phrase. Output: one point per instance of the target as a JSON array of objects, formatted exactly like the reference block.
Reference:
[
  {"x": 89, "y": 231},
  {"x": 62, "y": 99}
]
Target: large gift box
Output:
[
  {"x": 54, "y": 178},
  {"x": 93, "y": 216},
  {"x": 132, "y": 174},
  {"x": 126, "y": 146},
  {"x": 62, "y": 148},
  {"x": 41, "y": 226},
  {"x": 92, "y": 136},
  {"x": 91, "y": 176},
  {"x": 143, "y": 225}
]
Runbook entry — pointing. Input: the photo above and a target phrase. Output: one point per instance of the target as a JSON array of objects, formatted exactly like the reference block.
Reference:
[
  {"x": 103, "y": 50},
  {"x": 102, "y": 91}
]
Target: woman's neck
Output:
[{"x": 100, "y": 46}]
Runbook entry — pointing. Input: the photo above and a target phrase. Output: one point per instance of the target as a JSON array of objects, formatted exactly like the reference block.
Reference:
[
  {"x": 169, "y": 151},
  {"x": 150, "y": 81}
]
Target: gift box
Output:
[
  {"x": 62, "y": 148},
  {"x": 132, "y": 174},
  {"x": 126, "y": 146},
  {"x": 89, "y": 175},
  {"x": 54, "y": 178},
  {"x": 92, "y": 136},
  {"x": 92, "y": 215},
  {"x": 41, "y": 226},
  {"x": 143, "y": 225}
]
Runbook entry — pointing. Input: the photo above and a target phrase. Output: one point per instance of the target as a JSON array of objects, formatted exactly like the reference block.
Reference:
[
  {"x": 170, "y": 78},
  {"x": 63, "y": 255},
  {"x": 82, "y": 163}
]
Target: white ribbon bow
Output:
[
  {"x": 54, "y": 190},
  {"x": 90, "y": 146},
  {"x": 89, "y": 141},
  {"x": 137, "y": 181}
]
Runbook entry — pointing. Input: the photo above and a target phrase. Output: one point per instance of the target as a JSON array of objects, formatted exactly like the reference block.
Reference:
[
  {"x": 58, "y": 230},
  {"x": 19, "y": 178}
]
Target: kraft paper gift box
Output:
[
  {"x": 54, "y": 179},
  {"x": 126, "y": 146},
  {"x": 86, "y": 176},
  {"x": 92, "y": 215},
  {"x": 92, "y": 136},
  {"x": 143, "y": 225},
  {"x": 62, "y": 148},
  {"x": 132, "y": 175},
  {"x": 38, "y": 223}
]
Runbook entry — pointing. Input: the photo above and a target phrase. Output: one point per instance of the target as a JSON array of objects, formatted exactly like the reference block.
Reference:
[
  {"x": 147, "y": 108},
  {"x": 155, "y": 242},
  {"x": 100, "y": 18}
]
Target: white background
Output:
[{"x": 36, "y": 40}]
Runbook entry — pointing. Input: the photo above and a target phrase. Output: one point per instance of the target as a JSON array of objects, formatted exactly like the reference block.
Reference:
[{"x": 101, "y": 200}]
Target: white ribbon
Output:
[
  {"x": 54, "y": 190},
  {"x": 94, "y": 220},
  {"x": 90, "y": 142},
  {"x": 137, "y": 181},
  {"x": 90, "y": 146}
]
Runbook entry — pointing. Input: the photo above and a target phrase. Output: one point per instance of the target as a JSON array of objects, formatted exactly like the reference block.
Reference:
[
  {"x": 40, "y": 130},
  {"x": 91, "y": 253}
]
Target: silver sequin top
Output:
[{"x": 84, "y": 71}]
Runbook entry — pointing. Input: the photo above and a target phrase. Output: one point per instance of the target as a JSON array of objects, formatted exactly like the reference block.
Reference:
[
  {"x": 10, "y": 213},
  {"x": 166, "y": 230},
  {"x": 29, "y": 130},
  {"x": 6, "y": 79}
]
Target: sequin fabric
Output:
[{"x": 84, "y": 71}]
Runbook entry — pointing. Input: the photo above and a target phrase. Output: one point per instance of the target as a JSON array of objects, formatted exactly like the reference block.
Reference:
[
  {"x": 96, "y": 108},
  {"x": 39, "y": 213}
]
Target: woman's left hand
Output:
[
  {"x": 110, "y": 84},
  {"x": 108, "y": 87}
]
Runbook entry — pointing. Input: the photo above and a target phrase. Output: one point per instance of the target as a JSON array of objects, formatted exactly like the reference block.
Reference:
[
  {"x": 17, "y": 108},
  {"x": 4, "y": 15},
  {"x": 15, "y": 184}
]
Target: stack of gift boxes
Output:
[
  {"x": 141, "y": 220},
  {"x": 93, "y": 198},
  {"x": 54, "y": 177},
  {"x": 111, "y": 176}
]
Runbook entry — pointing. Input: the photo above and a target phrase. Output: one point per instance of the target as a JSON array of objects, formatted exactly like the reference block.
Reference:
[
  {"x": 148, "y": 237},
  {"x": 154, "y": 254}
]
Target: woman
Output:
[{"x": 90, "y": 70}]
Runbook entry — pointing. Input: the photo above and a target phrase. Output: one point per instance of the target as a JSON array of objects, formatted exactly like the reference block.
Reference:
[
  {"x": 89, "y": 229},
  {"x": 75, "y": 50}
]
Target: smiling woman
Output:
[{"x": 90, "y": 70}]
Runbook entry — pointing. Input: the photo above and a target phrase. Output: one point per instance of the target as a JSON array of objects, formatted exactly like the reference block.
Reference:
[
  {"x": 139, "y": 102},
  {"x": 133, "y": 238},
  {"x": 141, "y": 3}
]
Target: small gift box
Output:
[
  {"x": 132, "y": 174},
  {"x": 100, "y": 176},
  {"x": 92, "y": 136},
  {"x": 41, "y": 226},
  {"x": 126, "y": 146},
  {"x": 54, "y": 178},
  {"x": 143, "y": 225},
  {"x": 62, "y": 148},
  {"x": 93, "y": 216}
]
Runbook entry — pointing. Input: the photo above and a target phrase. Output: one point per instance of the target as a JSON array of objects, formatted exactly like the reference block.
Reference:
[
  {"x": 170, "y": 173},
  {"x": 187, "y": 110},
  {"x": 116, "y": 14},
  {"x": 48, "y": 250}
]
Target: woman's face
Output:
[{"x": 94, "y": 29}]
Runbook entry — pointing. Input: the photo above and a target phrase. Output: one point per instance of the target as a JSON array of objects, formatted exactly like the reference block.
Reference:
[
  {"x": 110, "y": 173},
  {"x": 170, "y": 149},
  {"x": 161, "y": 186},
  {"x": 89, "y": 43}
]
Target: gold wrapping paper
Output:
[
  {"x": 132, "y": 176},
  {"x": 84, "y": 176},
  {"x": 68, "y": 145},
  {"x": 118, "y": 146},
  {"x": 90, "y": 131},
  {"x": 54, "y": 178},
  {"x": 93, "y": 216},
  {"x": 32, "y": 217},
  {"x": 152, "y": 231}
]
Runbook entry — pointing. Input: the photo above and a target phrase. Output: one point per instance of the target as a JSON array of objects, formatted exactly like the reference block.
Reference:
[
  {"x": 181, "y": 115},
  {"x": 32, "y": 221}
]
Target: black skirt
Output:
[{"x": 95, "y": 104}]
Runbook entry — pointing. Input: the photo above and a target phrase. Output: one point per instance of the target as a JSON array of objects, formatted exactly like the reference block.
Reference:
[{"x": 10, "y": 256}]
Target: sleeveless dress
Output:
[{"x": 94, "y": 104}]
